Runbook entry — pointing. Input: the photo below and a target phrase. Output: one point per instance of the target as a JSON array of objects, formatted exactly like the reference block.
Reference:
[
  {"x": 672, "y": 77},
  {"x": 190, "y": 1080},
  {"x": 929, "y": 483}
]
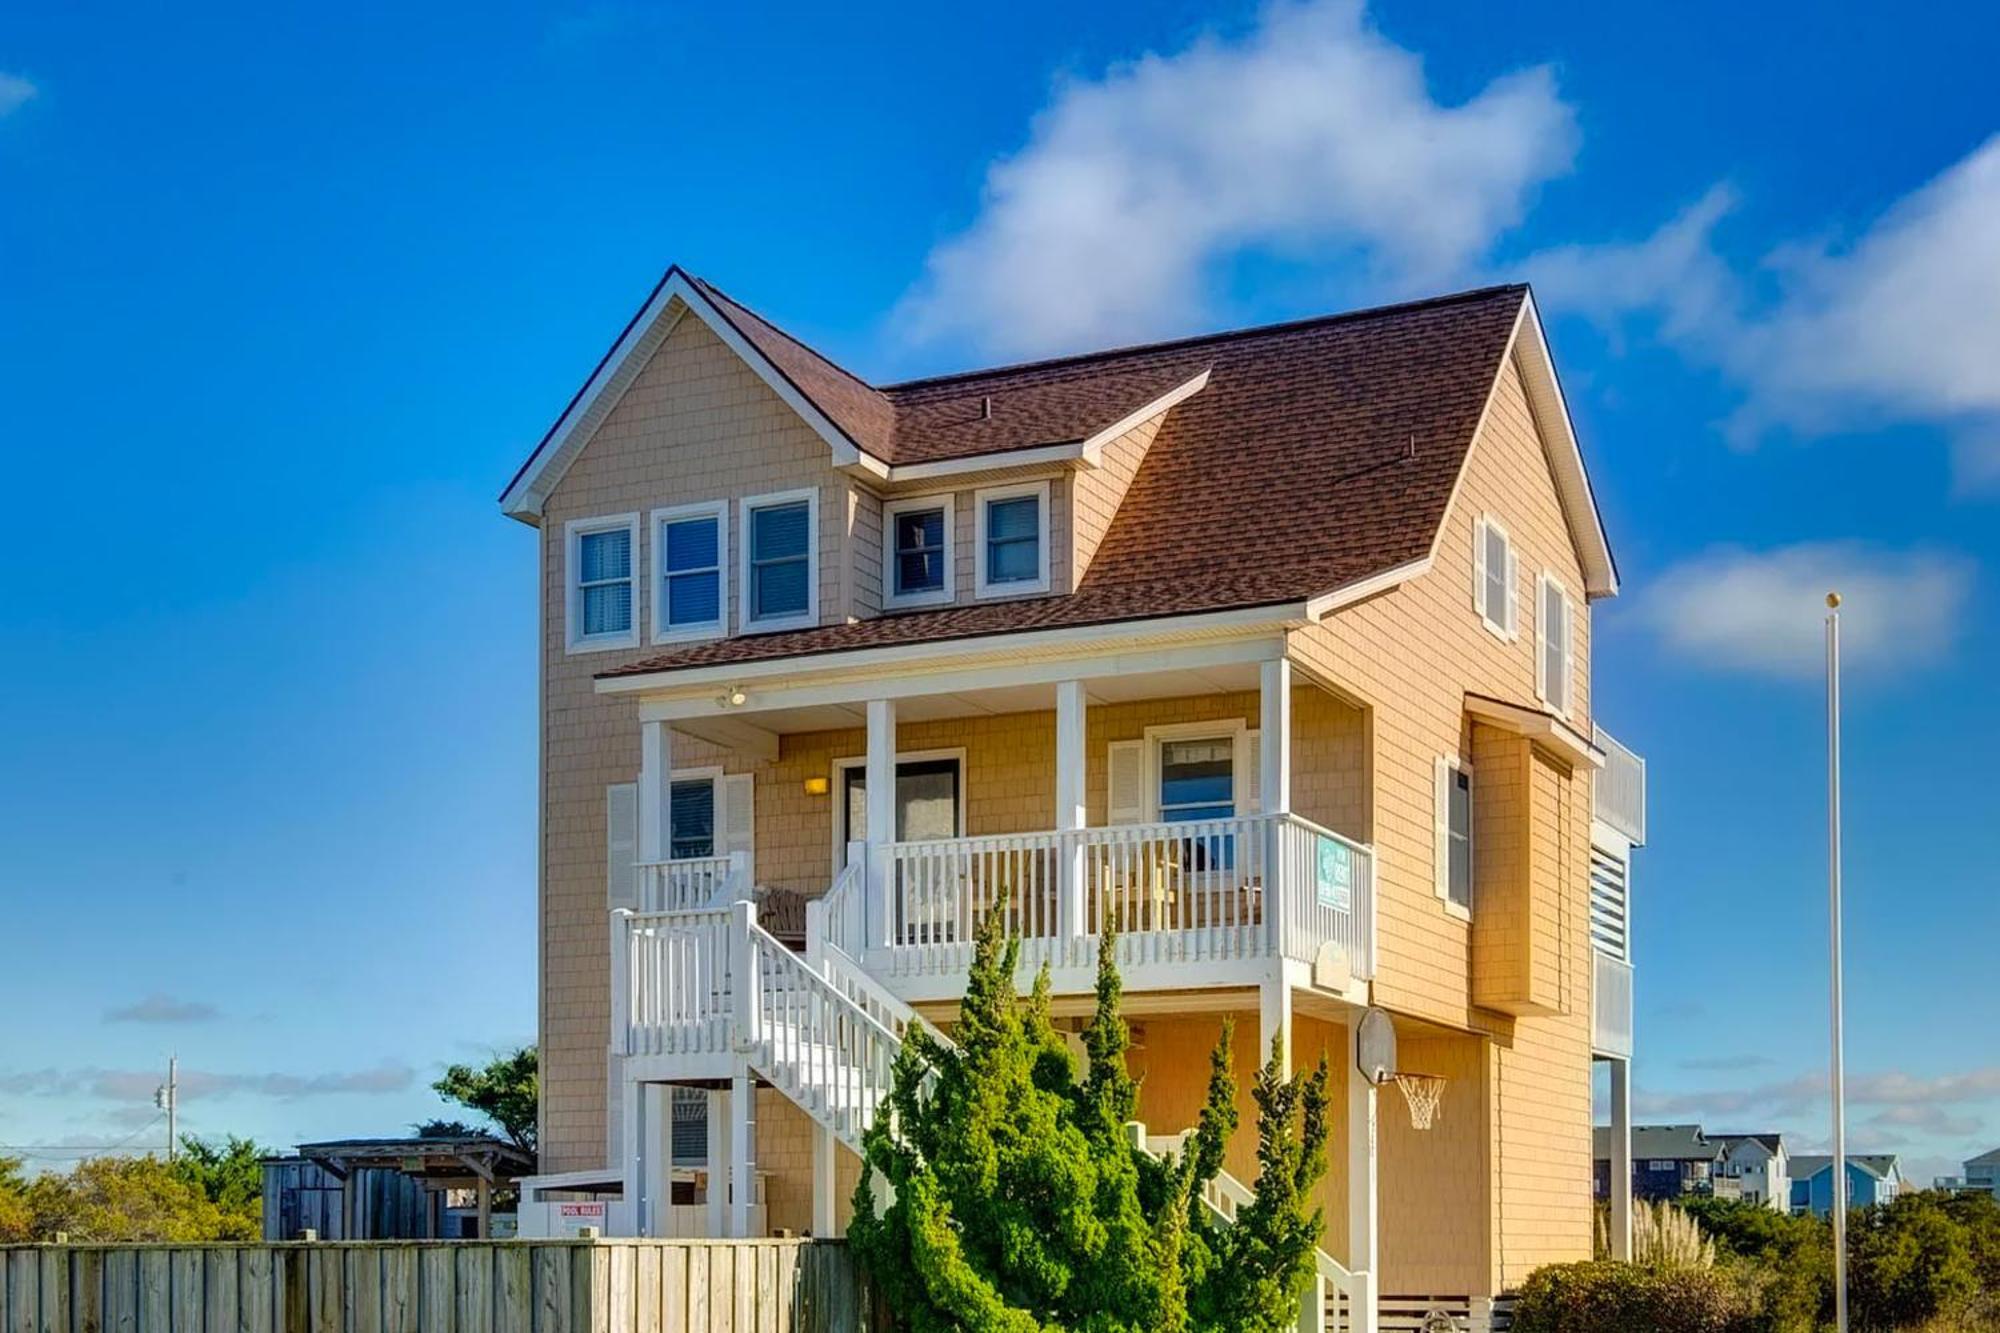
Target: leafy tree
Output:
[
  {"x": 505, "y": 1090},
  {"x": 1020, "y": 1203},
  {"x": 230, "y": 1176},
  {"x": 122, "y": 1199},
  {"x": 1909, "y": 1262},
  {"x": 16, "y": 1219},
  {"x": 443, "y": 1129}
]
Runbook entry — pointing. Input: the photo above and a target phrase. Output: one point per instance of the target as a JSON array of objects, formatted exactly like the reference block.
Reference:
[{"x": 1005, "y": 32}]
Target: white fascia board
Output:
[
  {"x": 525, "y": 497},
  {"x": 1361, "y": 589},
  {"x": 1093, "y": 448},
  {"x": 1086, "y": 452},
  {"x": 1010, "y": 645},
  {"x": 1537, "y": 725},
  {"x": 1565, "y": 454}
]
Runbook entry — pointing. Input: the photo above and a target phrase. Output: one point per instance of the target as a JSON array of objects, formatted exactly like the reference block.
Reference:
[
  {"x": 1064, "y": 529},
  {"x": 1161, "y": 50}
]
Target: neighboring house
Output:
[
  {"x": 1269, "y": 648},
  {"x": 1982, "y": 1176},
  {"x": 1871, "y": 1179},
  {"x": 1668, "y": 1161},
  {"x": 1755, "y": 1168}
]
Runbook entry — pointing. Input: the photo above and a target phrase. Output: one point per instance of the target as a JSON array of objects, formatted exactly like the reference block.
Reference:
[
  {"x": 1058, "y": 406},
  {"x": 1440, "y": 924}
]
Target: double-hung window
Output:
[
  {"x": 1495, "y": 578},
  {"x": 780, "y": 583},
  {"x": 1012, "y": 535},
  {"x": 602, "y": 605},
  {"x": 919, "y": 538},
  {"x": 691, "y": 591},
  {"x": 1555, "y": 638},
  {"x": 1198, "y": 783},
  {"x": 691, "y": 818},
  {"x": 1454, "y": 835}
]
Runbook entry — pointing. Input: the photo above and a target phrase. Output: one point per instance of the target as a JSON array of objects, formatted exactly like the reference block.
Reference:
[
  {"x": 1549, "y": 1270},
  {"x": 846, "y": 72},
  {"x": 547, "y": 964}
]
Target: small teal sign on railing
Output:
[{"x": 1334, "y": 880}]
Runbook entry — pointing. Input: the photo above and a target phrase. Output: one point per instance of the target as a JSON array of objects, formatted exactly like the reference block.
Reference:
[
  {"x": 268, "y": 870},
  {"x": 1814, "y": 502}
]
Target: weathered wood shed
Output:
[{"x": 388, "y": 1189}]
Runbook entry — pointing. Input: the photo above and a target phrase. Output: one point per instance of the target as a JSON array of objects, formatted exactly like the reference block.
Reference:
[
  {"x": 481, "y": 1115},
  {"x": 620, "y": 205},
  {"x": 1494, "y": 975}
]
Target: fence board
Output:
[{"x": 567, "y": 1286}]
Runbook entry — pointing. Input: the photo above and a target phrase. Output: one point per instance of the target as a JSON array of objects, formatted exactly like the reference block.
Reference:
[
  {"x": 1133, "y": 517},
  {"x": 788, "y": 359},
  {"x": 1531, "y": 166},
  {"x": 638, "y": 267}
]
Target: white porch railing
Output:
[
  {"x": 1256, "y": 886},
  {"x": 1611, "y": 1005},
  {"x": 1618, "y": 790},
  {"x": 692, "y": 883},
  {"x": 672, "y": 981}
]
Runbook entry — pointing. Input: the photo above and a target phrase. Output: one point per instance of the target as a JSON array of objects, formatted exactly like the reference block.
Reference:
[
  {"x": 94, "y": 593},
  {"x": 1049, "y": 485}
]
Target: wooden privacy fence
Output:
[{"x": 579, "y": 1286}]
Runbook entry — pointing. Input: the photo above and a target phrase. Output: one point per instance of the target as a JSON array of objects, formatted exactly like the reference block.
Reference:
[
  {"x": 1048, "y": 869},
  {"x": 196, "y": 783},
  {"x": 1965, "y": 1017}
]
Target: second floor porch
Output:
[{"x": 1208, "y": 806}]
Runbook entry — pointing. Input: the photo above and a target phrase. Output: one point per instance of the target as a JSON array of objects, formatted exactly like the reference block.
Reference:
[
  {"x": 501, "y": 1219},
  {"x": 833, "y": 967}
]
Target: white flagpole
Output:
[{"x": 1838, "y": 1000}]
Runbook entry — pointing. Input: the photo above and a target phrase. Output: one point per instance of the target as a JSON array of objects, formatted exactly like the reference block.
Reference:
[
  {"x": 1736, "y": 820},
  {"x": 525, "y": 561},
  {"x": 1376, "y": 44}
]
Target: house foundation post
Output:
[
  {"x": 881, "y": 818},
  {"x": 742, "y": 1150},
  {"x": 718, "y": 1168},
  {"x": 1070, "y": 816},
  {"x": 1621, "y": 1159},
  {"x": 1364, "y": 1191}
]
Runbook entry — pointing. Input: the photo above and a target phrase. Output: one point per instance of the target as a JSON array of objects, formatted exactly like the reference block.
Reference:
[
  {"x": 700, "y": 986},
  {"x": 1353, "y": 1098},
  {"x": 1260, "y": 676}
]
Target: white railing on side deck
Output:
[
  {"x": 812, "y": 1042},
  {"x": 1618, "y": 790},
  {"x": 692, "y": 883},
  {"x": 672, "y": 981},
  {"x": 1192, "y": 889},
  {"x": 1611, "y": 1004}
]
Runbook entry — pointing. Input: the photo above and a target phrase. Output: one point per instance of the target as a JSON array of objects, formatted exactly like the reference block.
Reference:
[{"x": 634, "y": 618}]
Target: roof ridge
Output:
[{"x": 1219, "y": 335}]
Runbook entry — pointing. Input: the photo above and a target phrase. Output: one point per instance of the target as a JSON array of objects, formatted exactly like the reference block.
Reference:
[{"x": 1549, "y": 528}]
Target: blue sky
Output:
[{"x": 284, "y": 298}]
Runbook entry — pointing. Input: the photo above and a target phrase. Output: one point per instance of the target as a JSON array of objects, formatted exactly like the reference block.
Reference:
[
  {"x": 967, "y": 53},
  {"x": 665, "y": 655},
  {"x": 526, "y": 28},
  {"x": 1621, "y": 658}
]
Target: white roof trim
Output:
[
  {"x": 1537, "y": 725},
  {"x": 1010, "y": 645},
  {"x": 524, "y": 499},
  {"x": 1093, "y": 448},
  {"x": 1347, "y": 594},
  {"x": 1564, "y": 453}
]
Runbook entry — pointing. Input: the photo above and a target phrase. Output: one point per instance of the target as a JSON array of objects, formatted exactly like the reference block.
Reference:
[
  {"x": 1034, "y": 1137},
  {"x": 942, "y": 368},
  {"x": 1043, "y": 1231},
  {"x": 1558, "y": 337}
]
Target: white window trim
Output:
[
  {"x": 1016, "y": 588},
  {"x": 1232, "y": 729},
  {"x": 714, "y": 629},
  {"x": 711, "y": 774},
  {"x": 949, "y": 592},
  {"x": 574, "y": 532},
  {"x": 810, "y": 616},
  {"x": 1508, "y": 629},
  {"x": 1543, "y": 582},
  {"x": 1449, "y": 764}
]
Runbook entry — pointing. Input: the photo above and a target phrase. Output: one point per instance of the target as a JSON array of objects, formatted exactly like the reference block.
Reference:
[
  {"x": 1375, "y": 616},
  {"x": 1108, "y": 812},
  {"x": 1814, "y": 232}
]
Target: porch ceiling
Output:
[{"x": 784, "y": 719}]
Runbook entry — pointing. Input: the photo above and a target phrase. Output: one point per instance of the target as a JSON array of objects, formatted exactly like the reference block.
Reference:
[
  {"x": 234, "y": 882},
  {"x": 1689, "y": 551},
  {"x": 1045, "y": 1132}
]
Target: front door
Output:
[{"x": 927, "y": 792}]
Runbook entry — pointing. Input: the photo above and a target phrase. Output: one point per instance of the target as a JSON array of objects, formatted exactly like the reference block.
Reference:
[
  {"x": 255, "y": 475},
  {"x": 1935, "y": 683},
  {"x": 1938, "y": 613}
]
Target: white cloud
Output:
[
  {"x": 1764, "y": 611},
  {"x": 1311, "y": 130},
  {"x": 14, "y": 91},
  {"x": 1896, "y": 326},
  {"x": 126, "y": 1085}
]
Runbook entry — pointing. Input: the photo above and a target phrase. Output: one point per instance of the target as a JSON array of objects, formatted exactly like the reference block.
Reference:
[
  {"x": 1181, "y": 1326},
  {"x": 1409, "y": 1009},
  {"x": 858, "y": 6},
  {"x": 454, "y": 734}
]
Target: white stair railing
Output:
[
  {"x": 1335, "y": 1289},
  {"x": 672, "y": 981}
]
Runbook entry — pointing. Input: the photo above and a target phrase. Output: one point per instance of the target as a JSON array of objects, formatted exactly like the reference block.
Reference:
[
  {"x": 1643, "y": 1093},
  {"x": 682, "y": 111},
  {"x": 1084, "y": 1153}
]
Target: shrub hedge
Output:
[{"x": 1602, "y": 1296}]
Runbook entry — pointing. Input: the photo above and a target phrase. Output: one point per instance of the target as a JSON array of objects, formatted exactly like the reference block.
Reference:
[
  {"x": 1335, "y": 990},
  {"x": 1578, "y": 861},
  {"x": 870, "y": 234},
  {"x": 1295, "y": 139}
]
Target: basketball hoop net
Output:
[{"x": 1423, "y": 1092}]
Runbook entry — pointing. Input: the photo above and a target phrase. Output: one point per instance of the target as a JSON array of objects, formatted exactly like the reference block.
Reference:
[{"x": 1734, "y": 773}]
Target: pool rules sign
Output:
[{"x": 1334, "y": 878}]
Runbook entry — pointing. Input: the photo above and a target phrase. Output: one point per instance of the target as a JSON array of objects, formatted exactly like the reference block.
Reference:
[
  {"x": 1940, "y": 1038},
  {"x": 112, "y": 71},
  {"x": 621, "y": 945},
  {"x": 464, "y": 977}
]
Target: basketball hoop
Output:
[{"x": 1423, "y": 1092}]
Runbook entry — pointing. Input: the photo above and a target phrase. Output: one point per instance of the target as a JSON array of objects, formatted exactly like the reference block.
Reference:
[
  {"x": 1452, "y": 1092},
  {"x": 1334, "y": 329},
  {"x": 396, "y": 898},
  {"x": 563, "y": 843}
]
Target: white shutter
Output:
[
  {"x": 1441, "y": 852},
  {"x": 1479, "y": 571},
  {"x": 621, "y": 844},
  {"x": 1542, "y": 638},
  {"x": 1125, "y": 783},
  {"x": 1513, "y": 609},
  {"x": 1252, "y": 783},
  {"x": 1569, "y": 653},
  {"x": 737, "y": 820}
]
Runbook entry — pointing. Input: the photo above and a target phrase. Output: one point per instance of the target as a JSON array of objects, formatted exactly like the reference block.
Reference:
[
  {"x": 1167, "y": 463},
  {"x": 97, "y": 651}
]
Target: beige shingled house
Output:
[{"x": 1269, "y": 648}]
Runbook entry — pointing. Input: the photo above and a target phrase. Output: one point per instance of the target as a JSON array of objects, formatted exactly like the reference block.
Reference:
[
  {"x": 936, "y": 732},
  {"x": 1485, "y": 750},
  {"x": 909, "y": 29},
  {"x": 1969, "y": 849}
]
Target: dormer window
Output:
[
  {"x": 1012, "y": 536},
  {"x": 780, "y": 536},
  {"x": 919, "y": 571},
  {"x": 602, "y": 610}
]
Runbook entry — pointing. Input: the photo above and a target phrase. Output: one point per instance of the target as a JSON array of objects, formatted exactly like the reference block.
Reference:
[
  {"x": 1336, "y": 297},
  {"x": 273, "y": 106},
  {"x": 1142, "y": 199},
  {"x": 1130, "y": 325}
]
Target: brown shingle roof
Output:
[{"x": 1321, "y": 453}]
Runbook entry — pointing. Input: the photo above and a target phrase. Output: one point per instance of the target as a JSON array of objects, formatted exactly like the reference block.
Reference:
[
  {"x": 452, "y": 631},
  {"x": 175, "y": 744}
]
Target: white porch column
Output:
[
  {"x": 825, "y": 1205},
  {"x": 1070, "y": 816},
  {"x": 1621, "y": 1159},
  {"x": 742, "y": 1151},
  {"x": 881, "y": 814},
  {"x": 656, "y": 767},
  {"x": 635, "y": 1174},
  {"x": 1274, "y": 776},
  {"x": 718, "y": 1164},
  {"x": 1364, "y": 1210},
  {"x": 1274, "y": 1019}
]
